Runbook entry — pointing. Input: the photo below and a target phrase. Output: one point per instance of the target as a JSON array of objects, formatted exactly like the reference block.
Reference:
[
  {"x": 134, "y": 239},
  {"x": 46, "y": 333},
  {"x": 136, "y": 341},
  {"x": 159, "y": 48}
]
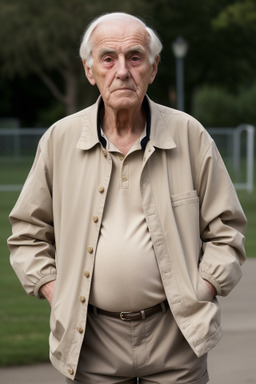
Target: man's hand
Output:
[
  {"x": 47, "y": 290},
  {"x": 212, "y": 289}
]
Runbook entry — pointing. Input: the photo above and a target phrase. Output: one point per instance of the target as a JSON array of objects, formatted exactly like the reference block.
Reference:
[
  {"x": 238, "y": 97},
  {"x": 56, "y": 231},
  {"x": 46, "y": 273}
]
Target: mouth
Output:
[{"x": 123, "y": 90}]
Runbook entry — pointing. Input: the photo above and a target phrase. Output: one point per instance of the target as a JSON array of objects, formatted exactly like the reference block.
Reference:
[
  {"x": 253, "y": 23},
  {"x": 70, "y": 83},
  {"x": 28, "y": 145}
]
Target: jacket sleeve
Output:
[
  {"x": 222, "y": 222},
  {"x": 32, "y": 243}
]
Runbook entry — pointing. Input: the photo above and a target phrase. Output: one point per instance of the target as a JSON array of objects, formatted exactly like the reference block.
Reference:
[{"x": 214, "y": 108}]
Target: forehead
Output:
[{"x": 120, "y": 34}]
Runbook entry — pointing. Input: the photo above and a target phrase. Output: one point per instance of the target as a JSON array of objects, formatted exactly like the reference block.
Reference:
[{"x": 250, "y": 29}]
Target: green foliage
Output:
[
  {"x": 247, "y": 99},
  {"x": 234, "y": 29},
  {"x": 237, "y": 14},
  {"x": 216, "y": 106},
  {"x": 51, "y": 114},
  {"x": 42, "y": 39}
]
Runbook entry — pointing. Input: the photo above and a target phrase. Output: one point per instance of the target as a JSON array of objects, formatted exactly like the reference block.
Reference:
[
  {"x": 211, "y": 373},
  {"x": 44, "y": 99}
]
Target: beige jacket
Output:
[{"x": 193, "y": 214}]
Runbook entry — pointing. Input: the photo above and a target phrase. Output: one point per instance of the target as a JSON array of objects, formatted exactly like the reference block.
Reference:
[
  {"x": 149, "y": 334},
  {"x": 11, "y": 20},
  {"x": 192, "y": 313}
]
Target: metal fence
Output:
[
  {"x": 236, "y": 146},
  {"x": 17, "y": 142},
  {"x": 238, "y": 153}
]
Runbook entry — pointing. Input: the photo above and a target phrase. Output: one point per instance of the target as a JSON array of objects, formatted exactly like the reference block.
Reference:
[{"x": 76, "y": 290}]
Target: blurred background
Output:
[
  {"x": 42, "y": 77},
  {"x": 212, "y": 76}
]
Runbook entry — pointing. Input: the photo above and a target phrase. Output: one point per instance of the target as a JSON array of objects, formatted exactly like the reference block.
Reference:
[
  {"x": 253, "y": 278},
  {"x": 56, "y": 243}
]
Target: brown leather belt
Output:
[{"x": 131, "y": 316}]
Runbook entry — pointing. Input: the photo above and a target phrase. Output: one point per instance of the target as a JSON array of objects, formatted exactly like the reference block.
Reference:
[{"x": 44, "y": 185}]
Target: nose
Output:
[{"x": 122, "y": 72}]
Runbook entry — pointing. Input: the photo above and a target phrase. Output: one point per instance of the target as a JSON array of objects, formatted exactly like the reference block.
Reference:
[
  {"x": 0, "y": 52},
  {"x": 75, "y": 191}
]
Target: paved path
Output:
[{"x": 233, "y": 361}]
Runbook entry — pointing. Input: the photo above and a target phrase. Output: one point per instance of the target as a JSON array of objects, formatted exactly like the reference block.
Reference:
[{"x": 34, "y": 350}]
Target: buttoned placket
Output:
[
  {"x": 149, "y": 150},
  {"x": 96, "y": 220},
  {"x": 124, "y": 172},
  {"x": 101, "y": 190}
]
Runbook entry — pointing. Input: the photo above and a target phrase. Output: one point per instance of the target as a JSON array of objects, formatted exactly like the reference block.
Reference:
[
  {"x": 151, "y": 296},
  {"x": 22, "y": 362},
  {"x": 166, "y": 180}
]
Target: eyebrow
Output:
[{"x": 135, "y": 49}]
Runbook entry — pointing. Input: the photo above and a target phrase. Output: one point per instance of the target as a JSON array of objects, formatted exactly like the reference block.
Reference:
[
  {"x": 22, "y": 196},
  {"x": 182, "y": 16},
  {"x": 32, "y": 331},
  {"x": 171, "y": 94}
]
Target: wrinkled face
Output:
[{"x": 121, "y": 67}]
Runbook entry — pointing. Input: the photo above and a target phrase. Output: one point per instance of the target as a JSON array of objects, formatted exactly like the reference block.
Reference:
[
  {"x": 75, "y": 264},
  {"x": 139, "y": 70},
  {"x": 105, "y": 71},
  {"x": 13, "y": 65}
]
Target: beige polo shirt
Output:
[{"x": 126, "y": 275}]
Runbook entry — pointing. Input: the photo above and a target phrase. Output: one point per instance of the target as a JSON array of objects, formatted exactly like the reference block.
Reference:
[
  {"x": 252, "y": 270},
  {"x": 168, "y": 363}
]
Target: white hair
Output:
[{"x": 155, "y": 45}]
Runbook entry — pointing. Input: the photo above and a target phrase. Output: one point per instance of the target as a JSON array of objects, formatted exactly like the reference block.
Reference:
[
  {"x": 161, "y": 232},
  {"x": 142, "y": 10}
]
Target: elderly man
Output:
[{"x": 128, "y": 224}]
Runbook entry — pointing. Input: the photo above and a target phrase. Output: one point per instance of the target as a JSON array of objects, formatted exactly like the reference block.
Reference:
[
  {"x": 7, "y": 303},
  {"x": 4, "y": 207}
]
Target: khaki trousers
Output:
[{"x": 153, "y": 350}]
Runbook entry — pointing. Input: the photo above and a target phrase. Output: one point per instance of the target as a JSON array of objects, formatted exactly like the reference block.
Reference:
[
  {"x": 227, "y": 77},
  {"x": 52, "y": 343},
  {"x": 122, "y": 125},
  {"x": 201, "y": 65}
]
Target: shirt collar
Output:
[{"x": 156, "y": 130}]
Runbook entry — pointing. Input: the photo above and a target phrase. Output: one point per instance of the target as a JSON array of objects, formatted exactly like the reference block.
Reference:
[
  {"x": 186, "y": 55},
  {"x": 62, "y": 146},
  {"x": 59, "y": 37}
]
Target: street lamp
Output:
[{"x": 180, "y": 48}]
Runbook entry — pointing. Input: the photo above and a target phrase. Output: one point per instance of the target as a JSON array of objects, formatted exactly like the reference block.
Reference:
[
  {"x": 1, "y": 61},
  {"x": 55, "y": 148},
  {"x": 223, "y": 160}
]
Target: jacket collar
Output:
[
  {"x": 160, "y": 136},
  {"x": 156, "y": 130},
  {"x": 89, "y": 137}
]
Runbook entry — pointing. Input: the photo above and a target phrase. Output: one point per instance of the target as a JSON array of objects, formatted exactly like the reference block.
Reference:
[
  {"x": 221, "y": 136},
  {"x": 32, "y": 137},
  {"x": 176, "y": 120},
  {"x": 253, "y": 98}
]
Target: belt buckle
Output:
[{"x": 122, "y": 316}]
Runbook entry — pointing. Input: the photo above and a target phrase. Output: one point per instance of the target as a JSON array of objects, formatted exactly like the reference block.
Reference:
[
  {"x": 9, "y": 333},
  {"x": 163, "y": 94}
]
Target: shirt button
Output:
[
  {"x": 71, "y": 371},
  {"x": 82, "y": 299},
  {"x": 101, "y": 189},
  {"x": 124, "y": 178},
  {"x": 87, "y": 274},
  {"x": 95, "y": 219},
  {"x": 80, "y": 329},
  {"x": 90, "y": 249}
]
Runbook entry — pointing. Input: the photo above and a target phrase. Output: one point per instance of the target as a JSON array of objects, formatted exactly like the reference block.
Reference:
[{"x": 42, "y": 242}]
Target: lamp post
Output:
[{"x": 180, "y": 48}]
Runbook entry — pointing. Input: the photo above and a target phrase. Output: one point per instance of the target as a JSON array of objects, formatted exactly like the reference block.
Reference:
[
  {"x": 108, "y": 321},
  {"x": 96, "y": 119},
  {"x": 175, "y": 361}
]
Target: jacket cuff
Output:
[
  {"x": 44, "y": 280},
  {"x": 211, "y": 280}
]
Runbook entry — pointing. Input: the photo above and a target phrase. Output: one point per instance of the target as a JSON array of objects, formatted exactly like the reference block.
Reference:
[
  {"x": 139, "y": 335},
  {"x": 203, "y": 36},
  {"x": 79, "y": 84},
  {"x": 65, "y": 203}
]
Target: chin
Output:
[{"x": 126, "y": 102}]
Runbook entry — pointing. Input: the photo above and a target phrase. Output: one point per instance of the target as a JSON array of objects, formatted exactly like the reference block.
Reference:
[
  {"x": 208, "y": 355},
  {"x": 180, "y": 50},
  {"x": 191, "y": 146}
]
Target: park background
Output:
[{"x": 42, "y": 80}]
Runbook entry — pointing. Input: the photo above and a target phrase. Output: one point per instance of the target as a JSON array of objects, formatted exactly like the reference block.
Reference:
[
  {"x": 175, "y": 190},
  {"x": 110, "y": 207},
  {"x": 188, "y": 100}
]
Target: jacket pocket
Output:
[
  {"x": 186, "y": 212},
  {"x": 190, "y": 197},
  {"x": 56, "y": 325},
  {"x": 203, "y": 292}
]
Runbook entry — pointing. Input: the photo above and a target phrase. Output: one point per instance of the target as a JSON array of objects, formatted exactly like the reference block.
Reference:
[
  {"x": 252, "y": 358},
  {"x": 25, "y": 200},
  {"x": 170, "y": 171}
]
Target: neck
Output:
[
  {"x": 123, "y": 128},
  {"x": 123, "y": 122}
]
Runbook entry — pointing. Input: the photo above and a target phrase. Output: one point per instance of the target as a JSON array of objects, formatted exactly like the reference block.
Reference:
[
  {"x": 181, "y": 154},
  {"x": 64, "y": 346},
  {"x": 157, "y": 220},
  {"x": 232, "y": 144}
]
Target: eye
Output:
[
  {"x": 135, "y": 58},
  {"x": 107, "y": 59}
]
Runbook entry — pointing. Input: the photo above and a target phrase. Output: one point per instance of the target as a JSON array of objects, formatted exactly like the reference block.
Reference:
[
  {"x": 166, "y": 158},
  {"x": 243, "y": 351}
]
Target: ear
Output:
[
  {"x": 154, "y": 69},
  {"x": 88, "y": 73}
]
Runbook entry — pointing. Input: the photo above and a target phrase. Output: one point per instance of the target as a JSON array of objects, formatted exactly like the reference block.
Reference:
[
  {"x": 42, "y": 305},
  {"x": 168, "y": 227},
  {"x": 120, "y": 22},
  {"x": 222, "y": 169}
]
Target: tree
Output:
[
  {"x": 42, "y": 39},
  {"x": 235, "y": 28}
]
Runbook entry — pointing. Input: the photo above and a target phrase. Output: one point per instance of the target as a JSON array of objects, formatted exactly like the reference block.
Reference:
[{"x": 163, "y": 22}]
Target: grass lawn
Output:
[
  {"x": 24, "y": 321},
  {"x": 14, "y": 171},
  {"x": 248, "y": 202}
]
